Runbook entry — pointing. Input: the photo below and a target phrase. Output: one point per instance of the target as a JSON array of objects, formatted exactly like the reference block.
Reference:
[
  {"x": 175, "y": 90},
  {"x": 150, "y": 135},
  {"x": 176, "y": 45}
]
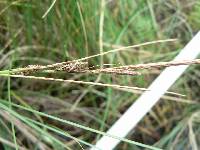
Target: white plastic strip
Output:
[{"x": 149, "y": 98}]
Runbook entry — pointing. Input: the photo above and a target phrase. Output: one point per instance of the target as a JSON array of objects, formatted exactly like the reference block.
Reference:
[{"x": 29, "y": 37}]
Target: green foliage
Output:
[{"x": 193, "y": 16}]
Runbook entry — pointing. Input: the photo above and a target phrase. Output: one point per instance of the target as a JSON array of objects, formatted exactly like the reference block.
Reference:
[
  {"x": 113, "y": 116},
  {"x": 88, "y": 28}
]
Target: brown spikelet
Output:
[
  {"x": 159, "y": 64},
  {"x": 73, "y": 67},
  {"x": 82, "y": 67}
]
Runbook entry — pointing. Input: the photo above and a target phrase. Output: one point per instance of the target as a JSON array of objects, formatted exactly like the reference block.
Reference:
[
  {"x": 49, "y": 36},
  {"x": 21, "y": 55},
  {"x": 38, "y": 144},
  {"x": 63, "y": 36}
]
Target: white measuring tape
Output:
[{"x": 148, "y": 99}]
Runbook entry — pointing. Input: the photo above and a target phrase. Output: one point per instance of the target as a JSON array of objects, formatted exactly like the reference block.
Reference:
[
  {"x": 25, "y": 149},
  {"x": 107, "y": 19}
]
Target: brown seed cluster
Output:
[
  {"x": 159, "y": 64},
  {"x": 116, "y": 71},
  {"x": 27, "y": 70},
  {"x": 80, "y": 67},
  {"x": 73, "y": 67}
]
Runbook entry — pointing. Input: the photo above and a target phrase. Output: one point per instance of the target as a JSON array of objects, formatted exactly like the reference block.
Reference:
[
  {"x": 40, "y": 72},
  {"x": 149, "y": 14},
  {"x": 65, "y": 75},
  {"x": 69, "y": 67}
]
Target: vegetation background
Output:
[{"x": 74, "y": 29}]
